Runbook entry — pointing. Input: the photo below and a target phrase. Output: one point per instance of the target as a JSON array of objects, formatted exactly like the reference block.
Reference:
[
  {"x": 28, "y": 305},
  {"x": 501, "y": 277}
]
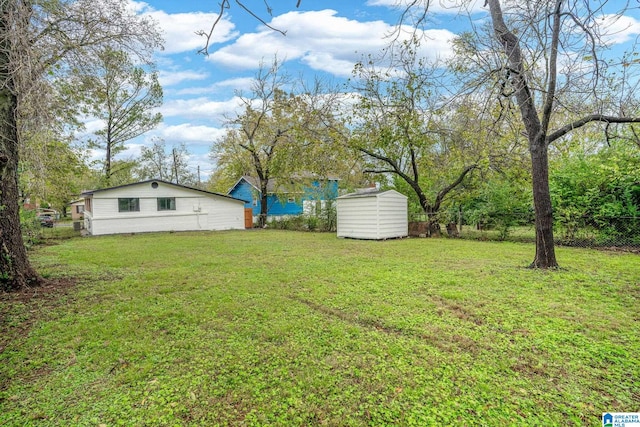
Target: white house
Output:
[
  {"x": 157, "y": 205},
  {"x": 374, "y": 215}
]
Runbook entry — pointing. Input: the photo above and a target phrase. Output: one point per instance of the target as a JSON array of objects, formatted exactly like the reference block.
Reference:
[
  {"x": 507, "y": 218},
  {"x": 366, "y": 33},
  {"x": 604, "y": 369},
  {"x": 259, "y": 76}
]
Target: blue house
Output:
[{"x": 286, "y": 200}]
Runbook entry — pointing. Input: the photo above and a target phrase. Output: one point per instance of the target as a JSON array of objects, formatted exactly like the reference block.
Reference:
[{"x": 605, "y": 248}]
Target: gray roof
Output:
[
  {"x": 276, "y": 184},
  {"x": 366, "y": 192},
  {"x": 91, "y": 192}
]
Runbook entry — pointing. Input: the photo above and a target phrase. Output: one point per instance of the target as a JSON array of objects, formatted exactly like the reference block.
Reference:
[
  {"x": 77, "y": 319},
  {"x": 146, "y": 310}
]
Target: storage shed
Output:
[{"x": 373, "y": 214}]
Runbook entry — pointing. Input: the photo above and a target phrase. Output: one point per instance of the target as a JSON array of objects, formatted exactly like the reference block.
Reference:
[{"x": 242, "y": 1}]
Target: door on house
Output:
[{"x": 248, "y": 218}]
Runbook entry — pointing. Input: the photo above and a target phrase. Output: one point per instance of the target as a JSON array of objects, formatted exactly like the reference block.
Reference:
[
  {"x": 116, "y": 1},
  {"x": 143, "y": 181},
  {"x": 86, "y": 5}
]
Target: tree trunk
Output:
[
  {"x": 107, "y": 165},
  {"x": 545, "y": 251},
  {"x": 536, "y": 131},
  {"x": 15, "y": 270},
  {"x": 264, "y": 207},
  {"x": 433, "y": 225}
]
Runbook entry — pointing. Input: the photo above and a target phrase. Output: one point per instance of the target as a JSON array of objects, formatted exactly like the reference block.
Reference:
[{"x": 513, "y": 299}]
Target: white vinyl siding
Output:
[
  {"x": 376, "y": 216},
  {"x": 194, "y": 210}
]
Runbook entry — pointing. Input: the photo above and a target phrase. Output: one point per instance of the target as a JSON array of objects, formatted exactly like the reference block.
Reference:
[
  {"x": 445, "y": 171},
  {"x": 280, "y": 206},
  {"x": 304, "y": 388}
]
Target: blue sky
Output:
[{"x": 323, "y": 38}]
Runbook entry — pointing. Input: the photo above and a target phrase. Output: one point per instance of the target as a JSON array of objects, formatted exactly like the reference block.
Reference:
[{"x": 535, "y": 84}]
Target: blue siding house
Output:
[{"x": 283, "y": 202}]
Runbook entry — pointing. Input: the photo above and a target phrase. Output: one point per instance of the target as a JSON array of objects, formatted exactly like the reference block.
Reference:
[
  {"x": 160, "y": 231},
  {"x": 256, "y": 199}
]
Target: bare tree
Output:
[
  {"x": 38, "y": 39},
  {"x": 249, "y": 8},
  {"x": 550, "y": 57}
]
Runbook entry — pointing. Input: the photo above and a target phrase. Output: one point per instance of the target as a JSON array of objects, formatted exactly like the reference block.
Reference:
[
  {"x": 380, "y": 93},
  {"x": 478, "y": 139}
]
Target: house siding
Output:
[
  {"x": 281, "y": 206},
  {"x": 194, "y": 211},
  {"x": 244, "y": 191},
  {"x": 74, "y": 207}
]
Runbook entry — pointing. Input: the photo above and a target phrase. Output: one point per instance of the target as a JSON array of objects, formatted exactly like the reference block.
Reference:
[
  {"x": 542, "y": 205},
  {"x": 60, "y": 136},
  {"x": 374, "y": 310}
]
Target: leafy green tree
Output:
[
  {"x": 38, "y": 40},
  {"x": 125, "y": 97},
  {"x": 55, "y": 175},
  {"x": 599, "y": 190},
  {"x": 154, "y": 162},
  {"x": 500, "y": 204},
  {"x": 256, "y": 144},
  {"x": 172, "y": 165},
  {"x": 278, "y": 134},
  {"x": 402, "y": 129}
]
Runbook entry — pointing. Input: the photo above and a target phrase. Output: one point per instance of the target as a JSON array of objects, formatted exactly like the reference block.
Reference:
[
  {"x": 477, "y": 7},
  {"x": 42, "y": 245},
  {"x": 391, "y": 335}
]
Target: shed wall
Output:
[
  {"x": 393, "y": 217},
  {"x": 377, "y": 216},
  {"x": 357, "y": 218}
]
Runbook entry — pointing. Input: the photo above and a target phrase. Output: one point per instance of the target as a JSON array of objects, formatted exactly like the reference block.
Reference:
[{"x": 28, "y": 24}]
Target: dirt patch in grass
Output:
[
  {"x": 436, "y": 337},
  {"x": 19, "y": 310},
  {"x": 457, "y": 310}
]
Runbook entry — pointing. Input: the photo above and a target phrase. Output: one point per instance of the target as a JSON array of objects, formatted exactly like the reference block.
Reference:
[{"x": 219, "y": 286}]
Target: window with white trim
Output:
[
  {"x": 166, "y": 203},
  {"x": 131, "y": 204}
]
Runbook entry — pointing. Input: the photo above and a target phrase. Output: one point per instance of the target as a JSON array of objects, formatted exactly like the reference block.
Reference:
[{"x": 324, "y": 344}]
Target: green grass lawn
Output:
[{"x": 302, "y": 329}]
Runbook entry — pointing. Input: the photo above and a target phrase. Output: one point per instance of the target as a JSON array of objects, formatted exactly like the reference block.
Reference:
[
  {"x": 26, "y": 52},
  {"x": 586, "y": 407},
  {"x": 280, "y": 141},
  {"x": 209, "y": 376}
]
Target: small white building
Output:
[
  {"x": 157, "y": 205},
  {"x": 374, "y": 215}
]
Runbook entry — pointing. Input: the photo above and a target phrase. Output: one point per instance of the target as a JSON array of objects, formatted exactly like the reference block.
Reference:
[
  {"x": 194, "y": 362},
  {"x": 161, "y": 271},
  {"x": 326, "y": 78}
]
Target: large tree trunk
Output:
[
  {"x": 536, "y": 130},
  {"x": 545, "y": 251},
  {"x": 15, "y": 270}
]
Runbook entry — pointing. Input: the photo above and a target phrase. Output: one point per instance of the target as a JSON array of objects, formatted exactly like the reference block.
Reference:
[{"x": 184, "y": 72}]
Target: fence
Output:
[{"x": 581, "y": 231}]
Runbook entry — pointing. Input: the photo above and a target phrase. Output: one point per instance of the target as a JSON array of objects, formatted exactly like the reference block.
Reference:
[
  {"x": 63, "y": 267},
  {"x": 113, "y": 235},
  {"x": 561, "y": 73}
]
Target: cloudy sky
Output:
[{"x": 323, "y": 38}]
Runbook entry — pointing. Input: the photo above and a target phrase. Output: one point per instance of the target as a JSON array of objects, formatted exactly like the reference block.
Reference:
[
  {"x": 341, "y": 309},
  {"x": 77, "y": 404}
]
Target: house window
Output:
[
  {"x": 129, "y": 205},
  {"x": 79, "y": 209},
  {"x": 87, "y": 205},
  {"x": 166, "y": 203}
]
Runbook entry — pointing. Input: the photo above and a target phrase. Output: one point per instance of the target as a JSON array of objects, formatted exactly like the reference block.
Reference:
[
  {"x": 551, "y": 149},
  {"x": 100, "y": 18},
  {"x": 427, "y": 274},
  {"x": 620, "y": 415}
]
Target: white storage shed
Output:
[
  {"x": 374, "y": 215},
  {"x": 157, "y": 205}
]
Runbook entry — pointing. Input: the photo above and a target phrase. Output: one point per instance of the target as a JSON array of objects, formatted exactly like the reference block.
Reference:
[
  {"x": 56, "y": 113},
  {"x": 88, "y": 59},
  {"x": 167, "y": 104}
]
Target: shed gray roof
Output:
[{"x": 367, "y": 192}]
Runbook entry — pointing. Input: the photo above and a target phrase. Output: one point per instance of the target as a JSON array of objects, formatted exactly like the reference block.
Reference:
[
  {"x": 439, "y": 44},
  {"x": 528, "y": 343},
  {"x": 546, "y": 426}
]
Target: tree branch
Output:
[
  {"x": 443, "y": 193},
  {"x": 380, "y": 171},
  {"x": 547, "y": 109},
  {"x": 588, "y": 119},
  {"x": 225, "y": 4}
]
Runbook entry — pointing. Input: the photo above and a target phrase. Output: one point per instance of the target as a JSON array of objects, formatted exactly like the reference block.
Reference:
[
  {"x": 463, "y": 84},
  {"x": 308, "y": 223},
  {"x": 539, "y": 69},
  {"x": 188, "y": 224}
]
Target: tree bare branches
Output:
[{"x": 226, "y": 5}]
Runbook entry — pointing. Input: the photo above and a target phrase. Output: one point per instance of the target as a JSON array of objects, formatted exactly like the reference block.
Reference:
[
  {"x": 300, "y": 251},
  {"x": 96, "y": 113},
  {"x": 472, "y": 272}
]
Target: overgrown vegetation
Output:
[
  {"x": 212, "y": 329},
  {"x": 322, "y": 220}
]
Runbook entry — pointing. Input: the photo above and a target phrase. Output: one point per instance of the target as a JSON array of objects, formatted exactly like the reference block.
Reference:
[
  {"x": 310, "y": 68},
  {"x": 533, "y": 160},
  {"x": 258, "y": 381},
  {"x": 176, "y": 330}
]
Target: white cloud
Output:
[
  {"x": 92, "y": 125},
  {"x": 200, "y": 108},
  {"x": 618, "y": 29},
  {"x": 203, "y": 161},
  {"x": 435, "y": 6},
  {"x": 190, "y": 134},
  {"x": 132, "y": 151},
  {"x": 179, "y": 29},
  {"x": 322, "y": 40},
  {"x": 240, "y": 84},
  {"x": 169, "y": 77}
]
